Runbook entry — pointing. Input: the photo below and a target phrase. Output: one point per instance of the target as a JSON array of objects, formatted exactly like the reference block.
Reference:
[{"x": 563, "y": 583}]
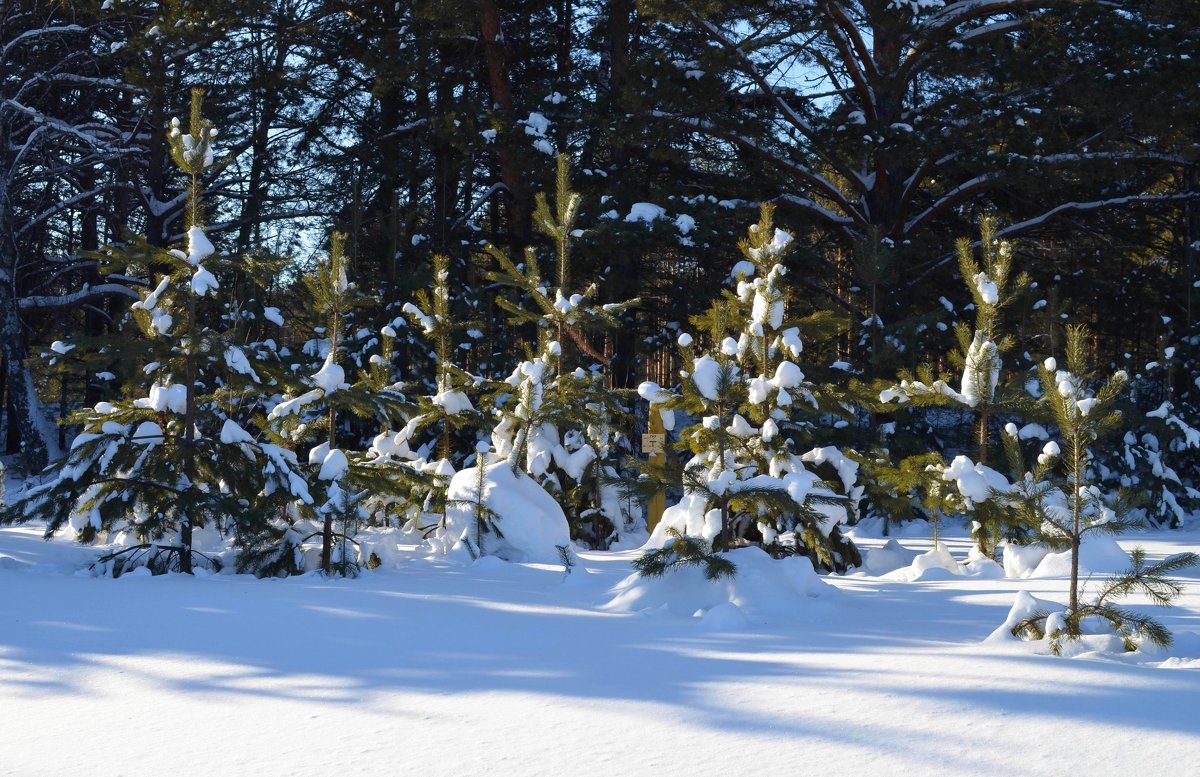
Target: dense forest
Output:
[{"x": 418, "y": 168}]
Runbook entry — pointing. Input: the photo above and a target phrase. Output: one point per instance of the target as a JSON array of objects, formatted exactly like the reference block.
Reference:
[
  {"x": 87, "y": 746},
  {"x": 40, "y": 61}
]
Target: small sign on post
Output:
[{"x": 654, "y": 443}]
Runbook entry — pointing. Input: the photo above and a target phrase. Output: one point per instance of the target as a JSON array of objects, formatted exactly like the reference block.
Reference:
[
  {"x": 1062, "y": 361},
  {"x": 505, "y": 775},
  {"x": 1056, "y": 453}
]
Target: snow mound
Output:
[
  {"x": 531, "y": 526},
  {"x": 763, "y": 590},
  {"x": 1184, "y": 653},
  {"x": 940, "y": 564},
  {"x": 688, "y": 517},
  {"x": 889, "y": 558},
  {"x": 8, "y": 562},
  {"x": 725, "y": 617},
  {"x": 1097, "y": 555},
  {"x": 980, "y": 566},
  {"x": 1022, "y": 560},
  {"x": 935, "y": 564},
  {"x": 1024, "y": 606}
]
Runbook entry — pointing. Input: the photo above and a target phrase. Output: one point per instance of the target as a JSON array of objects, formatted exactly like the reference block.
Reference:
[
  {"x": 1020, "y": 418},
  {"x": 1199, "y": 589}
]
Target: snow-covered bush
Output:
[
  {"x": 763, "y": 590},
  {"x": 1161, "y": 442},
  {"x": 496, "y": 509},
  {"x": 746, "y": 482}
]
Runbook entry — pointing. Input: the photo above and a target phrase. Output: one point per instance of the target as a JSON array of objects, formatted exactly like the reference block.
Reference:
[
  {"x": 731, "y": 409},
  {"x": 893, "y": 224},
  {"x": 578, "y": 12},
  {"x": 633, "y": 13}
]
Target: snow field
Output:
[{"x": 439, "y": 666}]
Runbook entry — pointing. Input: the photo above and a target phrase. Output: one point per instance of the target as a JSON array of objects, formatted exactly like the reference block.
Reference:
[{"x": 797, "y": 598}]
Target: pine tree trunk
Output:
[
  {"x": 22, "y": 399},
  {"x": 22, "y": 406},
  {"x": 500, "y": 92},
  {"x": 158, "y": 166},
  {"x": 984, "y": 541},
  {"x": 620, "y": 46}
]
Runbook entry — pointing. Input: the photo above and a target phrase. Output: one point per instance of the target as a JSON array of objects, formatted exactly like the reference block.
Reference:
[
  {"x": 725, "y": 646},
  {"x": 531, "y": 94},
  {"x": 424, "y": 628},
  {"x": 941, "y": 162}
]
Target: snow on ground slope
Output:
[{"x": 439, "y": 667}]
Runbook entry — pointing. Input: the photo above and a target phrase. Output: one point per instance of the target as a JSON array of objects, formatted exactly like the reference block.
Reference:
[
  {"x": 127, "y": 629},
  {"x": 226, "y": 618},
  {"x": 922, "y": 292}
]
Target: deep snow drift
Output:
[{"x": 444, "y": 666}]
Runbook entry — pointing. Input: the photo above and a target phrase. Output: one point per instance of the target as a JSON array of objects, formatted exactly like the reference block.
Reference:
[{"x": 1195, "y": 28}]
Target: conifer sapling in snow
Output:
[
  {"x": 979, "y": 356},
  {"x": 562, "y": 424},
  {"x": 444, "y": 412},
  {"x": 1072, "y": 506},
  {"x": 745, "y": 482},
  {"x": 338, "y": 479},
  {"x": 160, "y": 466},
  {"x": 450, "y": 406}
]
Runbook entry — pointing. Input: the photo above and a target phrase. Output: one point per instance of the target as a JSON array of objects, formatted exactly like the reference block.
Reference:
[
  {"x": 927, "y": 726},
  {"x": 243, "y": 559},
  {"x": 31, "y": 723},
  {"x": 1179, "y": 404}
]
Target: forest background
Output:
[{"x": 882, "y": 131}]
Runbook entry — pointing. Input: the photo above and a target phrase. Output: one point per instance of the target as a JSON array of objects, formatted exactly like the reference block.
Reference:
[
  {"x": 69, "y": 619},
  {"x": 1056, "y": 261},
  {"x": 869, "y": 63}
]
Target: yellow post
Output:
[{"x": 654, "y": 443}]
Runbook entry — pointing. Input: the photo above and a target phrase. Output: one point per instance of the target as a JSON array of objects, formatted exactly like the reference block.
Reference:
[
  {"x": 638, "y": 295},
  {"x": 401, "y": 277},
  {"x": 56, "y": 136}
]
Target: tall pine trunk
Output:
[{"x": 23, "y": 404}]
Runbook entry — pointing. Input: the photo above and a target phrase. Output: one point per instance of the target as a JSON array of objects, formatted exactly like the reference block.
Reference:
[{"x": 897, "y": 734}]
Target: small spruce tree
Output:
[
  {"x": 981, "y": 347},
  {"x": 450, "y": 407},
  {"x": 161, "y": 465},
  {"x": 563, "y": 424},
  {"x": 745, "y": 481},
  {"x": 337, "y": 480}
]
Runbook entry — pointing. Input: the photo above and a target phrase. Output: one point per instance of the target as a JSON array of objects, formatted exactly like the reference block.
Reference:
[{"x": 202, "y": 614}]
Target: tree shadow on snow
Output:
[{"x": 516, "y": 629}]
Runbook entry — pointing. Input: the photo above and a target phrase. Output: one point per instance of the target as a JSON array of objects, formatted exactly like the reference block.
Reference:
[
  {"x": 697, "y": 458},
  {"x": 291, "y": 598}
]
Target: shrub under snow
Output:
[
  {"x": 764, "y": 589},
  {"x": 526, "y": 523}
]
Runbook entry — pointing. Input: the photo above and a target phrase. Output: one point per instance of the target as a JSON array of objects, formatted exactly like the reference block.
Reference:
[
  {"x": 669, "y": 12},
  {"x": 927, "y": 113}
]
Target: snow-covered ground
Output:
[{"x": 444, "y": 667}]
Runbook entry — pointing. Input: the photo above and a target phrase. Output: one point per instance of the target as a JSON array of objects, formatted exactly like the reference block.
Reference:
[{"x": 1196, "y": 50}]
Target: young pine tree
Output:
[
  {"x": 562, "y": 424},
  {"x": 1062, "y": 496},
  {"x": 161, "y": 465},
  {"x": 1149, "y": 579},
  {"x": 746, "y": 482},
  {"x": 337, "y": 479},
  {"x": 980, "y": 353},
  {"x": 1084, "y": 419}
]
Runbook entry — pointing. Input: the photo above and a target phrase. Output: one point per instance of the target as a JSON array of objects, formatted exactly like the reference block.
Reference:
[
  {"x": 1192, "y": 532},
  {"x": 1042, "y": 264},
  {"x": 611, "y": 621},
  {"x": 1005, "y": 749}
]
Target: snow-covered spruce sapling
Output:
[
  {"x": 980, "y": 357},
  {"x": 437, "y": 416},
  {"x": 160, "y": 465},
  {"x": 450, "y": 407},
  {"x": 338, "y": 480},
  {"x": 1085, "y": 418},
  {"x": 1150, "y": 580},
  {"x": 745, "y": 483},
  {"x": 571, "y": 444}
]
